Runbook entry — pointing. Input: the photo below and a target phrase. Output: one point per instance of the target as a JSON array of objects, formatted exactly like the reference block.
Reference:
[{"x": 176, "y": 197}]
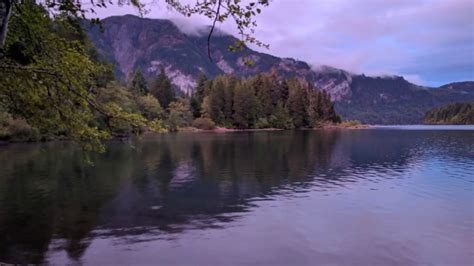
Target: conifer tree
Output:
[
  {"x": 195, "y": 106},
  {"x": 244, "y": 106},
  {"x": 297, "y": 103},
  {"x": 138, "y": 84},
  {"x": 313, "y": 107},
  {"x": 200, "y": 89},
  {"x": 263, "y": 87},
  {"x": 229, "y": 88},
  {"x": 275, "y": 86},
  {"x": 320, "y": 104},
  {"x": 215, "y": 104},
  {"x": 162, "y": 90},
  {"x": 330, "y": 112},
  {"x": 198, "y": 95},
  {"x": 284, "y": 91},
  {"x": 281, "y": 117}
]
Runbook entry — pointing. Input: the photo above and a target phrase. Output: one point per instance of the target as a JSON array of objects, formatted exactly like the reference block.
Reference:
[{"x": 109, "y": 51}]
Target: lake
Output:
[{"x": 382, "y": 196}]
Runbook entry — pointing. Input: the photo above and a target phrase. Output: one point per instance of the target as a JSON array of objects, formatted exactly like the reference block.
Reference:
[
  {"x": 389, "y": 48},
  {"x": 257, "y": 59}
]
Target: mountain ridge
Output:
[{"x": 132, "y": 42}]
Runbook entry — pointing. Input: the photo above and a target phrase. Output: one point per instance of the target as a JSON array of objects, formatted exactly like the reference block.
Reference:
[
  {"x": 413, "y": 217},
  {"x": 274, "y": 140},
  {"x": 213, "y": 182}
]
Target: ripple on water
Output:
[{"x": 375, "y": 197}]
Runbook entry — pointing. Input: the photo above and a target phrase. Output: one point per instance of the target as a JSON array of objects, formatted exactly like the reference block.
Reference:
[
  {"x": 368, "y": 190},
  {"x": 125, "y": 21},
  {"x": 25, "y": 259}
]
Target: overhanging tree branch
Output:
[
  {"x": 212, "y": 29},
  {"x": 5, "y": 12}
]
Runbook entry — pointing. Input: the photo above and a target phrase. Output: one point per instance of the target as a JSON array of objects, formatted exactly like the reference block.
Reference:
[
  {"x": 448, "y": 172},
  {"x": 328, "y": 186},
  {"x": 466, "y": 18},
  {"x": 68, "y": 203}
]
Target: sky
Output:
[{"x": 429, "y": 42}]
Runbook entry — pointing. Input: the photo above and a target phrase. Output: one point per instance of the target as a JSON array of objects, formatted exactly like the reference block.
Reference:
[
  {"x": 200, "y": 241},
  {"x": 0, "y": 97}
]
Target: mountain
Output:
[
  {"x": 132, "y": 42},
  {"x": 393, "y": 100}
]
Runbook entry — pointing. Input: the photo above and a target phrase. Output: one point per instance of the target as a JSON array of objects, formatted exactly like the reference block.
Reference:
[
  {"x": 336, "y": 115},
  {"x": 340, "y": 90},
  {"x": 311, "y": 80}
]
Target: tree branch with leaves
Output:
[{"x": 51, "y": 79}]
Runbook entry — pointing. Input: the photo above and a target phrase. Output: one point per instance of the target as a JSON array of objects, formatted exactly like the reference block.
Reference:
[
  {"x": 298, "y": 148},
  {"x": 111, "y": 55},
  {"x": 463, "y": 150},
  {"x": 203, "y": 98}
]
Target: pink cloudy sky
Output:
[{"x": 429, "y": 42}]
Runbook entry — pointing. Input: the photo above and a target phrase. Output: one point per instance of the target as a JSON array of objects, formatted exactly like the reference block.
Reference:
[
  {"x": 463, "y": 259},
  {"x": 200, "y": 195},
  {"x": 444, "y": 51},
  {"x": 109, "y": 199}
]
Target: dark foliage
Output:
[{"x": 452, "y": 114}]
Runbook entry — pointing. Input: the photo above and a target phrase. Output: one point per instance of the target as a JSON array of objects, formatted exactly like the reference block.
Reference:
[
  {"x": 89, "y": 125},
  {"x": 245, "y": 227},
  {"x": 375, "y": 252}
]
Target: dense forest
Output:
[
  {"x": 261, "y": 101},
  {"x": 452, "y": 114},
  {"x": 55, "y": 85}
]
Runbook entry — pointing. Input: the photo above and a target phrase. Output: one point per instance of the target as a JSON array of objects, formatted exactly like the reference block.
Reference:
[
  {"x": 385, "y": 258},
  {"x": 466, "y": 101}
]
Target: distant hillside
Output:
[
  {"x": 131, "y": 42},
  {"x": 458, "y": 86},
  {"x": 396, "y": 101},
  {"x": 452, "y": 114}
]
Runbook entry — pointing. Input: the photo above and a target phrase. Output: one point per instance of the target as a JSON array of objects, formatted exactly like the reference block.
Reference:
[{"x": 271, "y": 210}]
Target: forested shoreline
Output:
[
  {"x": 260, "y": 102},
  {"x": 452, "y": 114},
  {"x": 56, "y": 86}
]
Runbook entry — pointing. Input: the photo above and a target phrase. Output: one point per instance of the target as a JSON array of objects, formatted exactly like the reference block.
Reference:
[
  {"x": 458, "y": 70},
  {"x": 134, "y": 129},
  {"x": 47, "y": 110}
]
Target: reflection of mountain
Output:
[{"x": 169, "y": 183}]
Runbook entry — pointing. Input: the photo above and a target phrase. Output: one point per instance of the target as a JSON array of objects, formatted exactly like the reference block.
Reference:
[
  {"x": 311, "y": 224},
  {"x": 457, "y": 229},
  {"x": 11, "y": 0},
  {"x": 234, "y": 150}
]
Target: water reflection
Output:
[
  {"x": 201, "y": 177},
  {"x": 160, "y": 186}
]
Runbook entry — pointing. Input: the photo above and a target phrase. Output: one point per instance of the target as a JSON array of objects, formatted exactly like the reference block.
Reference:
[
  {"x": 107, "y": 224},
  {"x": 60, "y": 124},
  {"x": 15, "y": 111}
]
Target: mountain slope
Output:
[
  {"x": 394, "y": 100},
  {"x": 454, "y": 114},
  {"x": 149, "y": 44},
  {"x": 132, "y": 42}
]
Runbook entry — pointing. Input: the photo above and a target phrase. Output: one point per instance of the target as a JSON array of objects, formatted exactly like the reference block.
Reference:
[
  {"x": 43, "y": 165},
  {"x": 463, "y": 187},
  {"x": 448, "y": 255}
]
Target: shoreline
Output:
[
  {"x": 215, "y": 130},
  {"x": 339, "y": 126},
  {"x": 224, "y": 129}
]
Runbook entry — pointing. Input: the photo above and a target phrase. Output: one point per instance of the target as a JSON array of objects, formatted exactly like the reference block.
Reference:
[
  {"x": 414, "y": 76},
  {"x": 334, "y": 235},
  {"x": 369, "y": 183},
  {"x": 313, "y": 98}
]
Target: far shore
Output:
[
  {"x": 224, "y": 129},
  {"x": 344, "y": 126}
]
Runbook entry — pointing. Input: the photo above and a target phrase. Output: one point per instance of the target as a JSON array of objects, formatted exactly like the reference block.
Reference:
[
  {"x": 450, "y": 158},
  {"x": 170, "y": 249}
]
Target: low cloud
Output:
[{"x": 429, "y": 42}]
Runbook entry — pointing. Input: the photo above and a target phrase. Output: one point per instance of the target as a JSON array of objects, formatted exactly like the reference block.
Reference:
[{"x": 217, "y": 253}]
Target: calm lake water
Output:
[{"x": 383, "y": 196}]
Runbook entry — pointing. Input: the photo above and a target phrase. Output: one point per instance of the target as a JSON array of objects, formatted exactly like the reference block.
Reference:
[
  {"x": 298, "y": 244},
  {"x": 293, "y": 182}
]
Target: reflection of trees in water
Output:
[
  {"x": 202, "y": 175},
  {"x": 186, "y": 176},
  {"x": 180, "y": 181},
  {"x": 46, "y": 192}
]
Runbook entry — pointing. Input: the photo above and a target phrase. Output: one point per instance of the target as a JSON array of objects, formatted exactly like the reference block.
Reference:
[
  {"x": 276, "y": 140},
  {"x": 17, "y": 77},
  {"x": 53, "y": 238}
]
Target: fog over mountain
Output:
[
  {"x": 131, "y": 42},
  {"x": 428, "y": 42}
]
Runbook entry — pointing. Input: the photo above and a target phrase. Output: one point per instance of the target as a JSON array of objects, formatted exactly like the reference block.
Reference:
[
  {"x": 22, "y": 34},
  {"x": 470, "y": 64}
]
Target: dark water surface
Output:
[{"x": 387, "y": 196}]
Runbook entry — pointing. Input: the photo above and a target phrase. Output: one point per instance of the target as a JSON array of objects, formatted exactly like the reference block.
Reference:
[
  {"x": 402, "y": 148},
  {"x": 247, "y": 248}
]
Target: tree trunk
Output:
[{"x": 5, "y": 11}]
